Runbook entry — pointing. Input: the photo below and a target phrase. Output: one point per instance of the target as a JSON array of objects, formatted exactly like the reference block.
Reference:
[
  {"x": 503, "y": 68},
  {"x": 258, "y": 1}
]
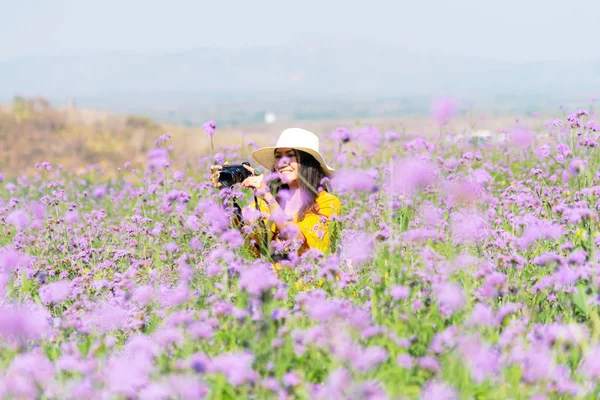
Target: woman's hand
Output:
[
  {"x": 255, "y": 182},
  {"x": 215, "y": 171}
]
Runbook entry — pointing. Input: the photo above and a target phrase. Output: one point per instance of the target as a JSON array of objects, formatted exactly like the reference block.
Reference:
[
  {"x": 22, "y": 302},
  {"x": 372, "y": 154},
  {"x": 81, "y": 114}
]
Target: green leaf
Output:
[{"x": 580, "y": 299}]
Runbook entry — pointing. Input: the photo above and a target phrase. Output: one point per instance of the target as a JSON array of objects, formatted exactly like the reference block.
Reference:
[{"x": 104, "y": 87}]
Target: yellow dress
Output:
[{"x": 315, "y": 226}]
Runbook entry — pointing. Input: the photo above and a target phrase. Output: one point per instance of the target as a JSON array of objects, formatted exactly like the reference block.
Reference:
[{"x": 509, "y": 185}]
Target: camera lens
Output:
[
  {"x": 226, "y": 178},
  {"x": 233, "y": 174}
]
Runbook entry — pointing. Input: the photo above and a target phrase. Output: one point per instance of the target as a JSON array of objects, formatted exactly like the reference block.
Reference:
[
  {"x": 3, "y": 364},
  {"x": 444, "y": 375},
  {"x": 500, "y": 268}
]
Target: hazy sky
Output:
[{"x": 507, "y": 29}]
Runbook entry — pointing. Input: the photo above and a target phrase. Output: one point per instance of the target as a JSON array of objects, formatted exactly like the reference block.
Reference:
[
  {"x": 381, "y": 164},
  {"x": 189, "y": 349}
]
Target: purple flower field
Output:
[{"x": 465, "y": 267}]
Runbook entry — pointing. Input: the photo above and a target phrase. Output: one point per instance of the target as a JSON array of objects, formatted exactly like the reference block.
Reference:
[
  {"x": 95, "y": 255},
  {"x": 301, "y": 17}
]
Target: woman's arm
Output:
[
  {"x": 279, "y": 218},
  {"x": 277, "y": 215}
]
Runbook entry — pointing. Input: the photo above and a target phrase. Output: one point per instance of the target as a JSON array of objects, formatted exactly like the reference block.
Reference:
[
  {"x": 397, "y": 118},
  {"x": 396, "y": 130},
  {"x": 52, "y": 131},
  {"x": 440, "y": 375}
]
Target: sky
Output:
[{"x": 512, "y": 30}]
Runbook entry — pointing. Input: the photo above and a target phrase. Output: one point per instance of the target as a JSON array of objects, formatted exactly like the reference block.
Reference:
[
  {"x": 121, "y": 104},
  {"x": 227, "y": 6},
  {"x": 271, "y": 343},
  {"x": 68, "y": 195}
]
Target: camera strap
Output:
[
  {"x": 262, "y": 244},
  {"x": 263, "y": 235}
]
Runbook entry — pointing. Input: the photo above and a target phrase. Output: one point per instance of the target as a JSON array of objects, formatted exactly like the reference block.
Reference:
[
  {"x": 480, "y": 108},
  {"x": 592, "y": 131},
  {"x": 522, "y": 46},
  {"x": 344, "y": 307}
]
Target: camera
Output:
[{"x": 232, "y": 174}]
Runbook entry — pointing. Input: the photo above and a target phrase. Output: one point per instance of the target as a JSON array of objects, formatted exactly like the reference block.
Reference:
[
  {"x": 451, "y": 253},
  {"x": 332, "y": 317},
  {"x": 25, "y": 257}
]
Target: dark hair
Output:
[{"x": 310, "y": 176}]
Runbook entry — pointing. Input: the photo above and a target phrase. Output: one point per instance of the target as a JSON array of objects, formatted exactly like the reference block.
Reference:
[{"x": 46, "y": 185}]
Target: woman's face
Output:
[{"x": 286, "y": 165}]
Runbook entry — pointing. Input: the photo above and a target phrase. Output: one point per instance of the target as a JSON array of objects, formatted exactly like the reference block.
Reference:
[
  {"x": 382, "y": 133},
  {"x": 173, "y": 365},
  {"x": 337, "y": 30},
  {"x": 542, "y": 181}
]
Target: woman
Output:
[{"x": 296, "y": 204}]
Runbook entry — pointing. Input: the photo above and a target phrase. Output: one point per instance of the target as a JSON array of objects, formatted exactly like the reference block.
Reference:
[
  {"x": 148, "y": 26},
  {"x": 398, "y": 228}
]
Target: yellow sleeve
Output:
[
  {"x": 250, "y": 212},
  {"x": 315, "y": 227},
  {"x": 330, "y": 205}
]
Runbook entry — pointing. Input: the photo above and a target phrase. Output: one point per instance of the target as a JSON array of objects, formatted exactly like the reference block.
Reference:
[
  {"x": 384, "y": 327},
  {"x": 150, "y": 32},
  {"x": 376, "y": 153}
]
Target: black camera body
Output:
[{"x": 232, "y": 174}]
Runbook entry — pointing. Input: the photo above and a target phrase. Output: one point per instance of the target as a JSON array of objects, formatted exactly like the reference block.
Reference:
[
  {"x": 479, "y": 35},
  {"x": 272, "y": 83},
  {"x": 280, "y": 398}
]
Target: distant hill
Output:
[
  {"x": 32, "y": 130},
  {"x": 297, "y": 80}
]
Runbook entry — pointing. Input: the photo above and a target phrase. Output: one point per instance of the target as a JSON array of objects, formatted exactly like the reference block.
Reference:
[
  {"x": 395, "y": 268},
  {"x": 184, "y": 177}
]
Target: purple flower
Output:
[
  {"x": 209, "y": 127},
  {"x": 590, "y": 367},
  {"x": 172, "y": 297},
  {"x": 430, "y": 363},
  {"x": 237, "y": 367},
  {"x": 158, "y": 158},
  {"x": 545, "y": 150},
  {"x": 358, "y": 247},
  {"x": 233, "y": 238},
  {"x": 391, "y": 136},
  {"x": 341, "y": 134},
  {"x": 481, "y": 176},
  {"x": 178, "y": 176},
  {"x": 419, "y": 144},
  {"x": 192, "y": 223},
  {"x": 290, "y": 379},
  {"x": 336, "y": 385},
  {"x": 200, "y": 363},
  {"x": 318, "y": 307},
  {"x": 405, "y": 361},
  {"x": 11, "y": 259},
  {"x": 482, "y": 315},
  {"x": 564, "y": 150},
  {"x": 106, "y": 317},
  {"x": 195, "y": 243},
  {"x": 589, "y": 142},
  {"x": 155, "y": 391},
  {"x": 399, "y": 292},
  {"x": 19, "y": 219},
  {"x": 576, "y": 166},
  {"x": 56, "y": 292},
  {"x": 438, "y": 391},
  {"x": 257, "y": 280},
  {"x": 37, "y": 209},
  {"x": 171, "y": 247},
  {"x": 369, "y": 139},
  {"x": 70, "y": 363},
  {"x": 369, "y": 358},
  {"x": 450, "y": 296},
  {"x": 18, "y": 322},
  {"x": 538, "y": 364},
  {"x": 574, "y": 120},
  {"x": 71, "y": 217},
  {"x": 521, "y": 137},
  {"x": 482, "y": 360},
  {"x": 369, "y": 389},
  {"x": 219, "y": 159},
  {"x": 143, "y": 294},
  {"x": 461, "y": 192},
  {"x": 213, "y": 215},
  {"x": 200, "y": 330},
  {"x": 99, "y": 191},
  {"x": 411, "y": 174},
  {"x": 539, "y": 231},
  {"x": 186, "y": 387},
  {"x": 126, "y": 374},
  {"x": 166, "y": 337},
  {"x": 443, "y": 109},
  {"x": 469, "y": 227},
  {"x": 494, "y": 281},
  {"x": 28, "y": 373},
  {"x": 162, "y": 138},
  {"x": 506, "y": 310},
  {"x": 348, "y": 181}
]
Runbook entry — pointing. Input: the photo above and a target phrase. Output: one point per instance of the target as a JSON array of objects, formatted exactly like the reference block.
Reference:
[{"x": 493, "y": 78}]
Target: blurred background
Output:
[{"x": 96, "y": 82}]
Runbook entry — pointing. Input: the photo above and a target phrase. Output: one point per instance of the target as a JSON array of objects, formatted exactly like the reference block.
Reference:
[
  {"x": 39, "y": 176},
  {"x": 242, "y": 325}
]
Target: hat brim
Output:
[{"x": 266, "y": 157}]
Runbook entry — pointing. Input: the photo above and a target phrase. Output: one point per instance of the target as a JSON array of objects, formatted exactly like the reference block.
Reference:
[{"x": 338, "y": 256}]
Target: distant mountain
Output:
[{"x": 360, "y": 72}]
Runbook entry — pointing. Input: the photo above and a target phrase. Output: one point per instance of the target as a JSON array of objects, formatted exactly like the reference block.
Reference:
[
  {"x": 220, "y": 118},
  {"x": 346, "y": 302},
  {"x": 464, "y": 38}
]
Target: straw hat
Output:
[{"x": 294, "y": 138}]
